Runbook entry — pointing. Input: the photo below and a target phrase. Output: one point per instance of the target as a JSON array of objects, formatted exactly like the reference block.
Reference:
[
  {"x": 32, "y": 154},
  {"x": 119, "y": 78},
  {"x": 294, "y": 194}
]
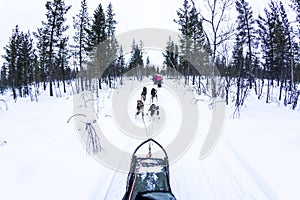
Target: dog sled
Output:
[
  {"x": 157, "y": 80},
  {"x": 148, "y": 177}
]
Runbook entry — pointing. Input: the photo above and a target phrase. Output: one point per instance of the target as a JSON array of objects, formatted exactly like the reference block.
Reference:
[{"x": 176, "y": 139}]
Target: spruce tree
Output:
[
  {"x": 185, "y": 29},
  {"x": 97, "y": 45},
  {"x": 136, "y": 62},
  {"x": 121, "y": 64},
  {"x": 112, "y": 44},
  {"x": 246, "y": 32},
  {"x": 171, "y": 55},
  {"x": 238, "y": 64},
  {"x": 97, "y": 31},
  {"x": 193, "y": 43}
]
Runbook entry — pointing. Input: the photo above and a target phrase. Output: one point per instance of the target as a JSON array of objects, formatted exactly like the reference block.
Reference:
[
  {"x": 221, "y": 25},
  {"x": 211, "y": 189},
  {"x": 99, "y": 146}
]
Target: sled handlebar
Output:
[{"x": 150, "y": 140}]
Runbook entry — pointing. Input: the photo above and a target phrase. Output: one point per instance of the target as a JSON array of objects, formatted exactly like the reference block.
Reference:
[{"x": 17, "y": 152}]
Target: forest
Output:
[{"x": 228, "y": 57}]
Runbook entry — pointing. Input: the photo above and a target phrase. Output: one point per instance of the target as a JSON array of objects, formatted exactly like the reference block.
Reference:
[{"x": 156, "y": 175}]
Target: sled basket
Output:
[{"x": 148, "y": 177}]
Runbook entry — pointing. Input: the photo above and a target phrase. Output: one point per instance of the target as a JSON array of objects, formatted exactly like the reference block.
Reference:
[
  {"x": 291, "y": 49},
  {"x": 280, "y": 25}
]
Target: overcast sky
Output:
[{"x": 130, "y": 14}]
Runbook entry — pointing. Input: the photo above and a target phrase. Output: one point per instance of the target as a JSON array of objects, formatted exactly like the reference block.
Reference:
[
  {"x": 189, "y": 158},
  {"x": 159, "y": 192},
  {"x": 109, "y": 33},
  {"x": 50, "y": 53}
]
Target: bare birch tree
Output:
[{"x": 219, "y": 27}]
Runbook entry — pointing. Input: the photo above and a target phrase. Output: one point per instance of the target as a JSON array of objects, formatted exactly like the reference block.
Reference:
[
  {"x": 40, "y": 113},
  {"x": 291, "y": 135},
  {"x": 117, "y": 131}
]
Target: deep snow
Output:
[{"x": 257, "y": 156}]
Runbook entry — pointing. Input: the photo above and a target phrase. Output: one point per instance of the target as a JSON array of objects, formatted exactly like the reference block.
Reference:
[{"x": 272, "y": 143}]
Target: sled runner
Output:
[{"x": 148, "y": 177}]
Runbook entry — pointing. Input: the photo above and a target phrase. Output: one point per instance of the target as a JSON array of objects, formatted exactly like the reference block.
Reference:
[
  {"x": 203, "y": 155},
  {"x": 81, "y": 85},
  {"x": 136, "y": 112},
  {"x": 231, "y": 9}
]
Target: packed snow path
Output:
[{"x": 43, "y": 157}]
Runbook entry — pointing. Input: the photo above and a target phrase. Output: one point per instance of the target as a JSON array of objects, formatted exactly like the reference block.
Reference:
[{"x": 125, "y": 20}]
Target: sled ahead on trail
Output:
[
  {"x": 157, "y": 80},
  {"x": 148, "y": 177}
]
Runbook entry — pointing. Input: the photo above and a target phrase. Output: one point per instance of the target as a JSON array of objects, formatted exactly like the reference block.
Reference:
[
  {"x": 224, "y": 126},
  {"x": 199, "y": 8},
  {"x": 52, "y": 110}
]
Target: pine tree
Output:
[
  {"x": 275, "y": 44},
  {"x": 11, "y": 60},
  {"x": 26, "y": 64},
  {"x": 18, "y": 68},
  {"x": 295, "y": 69},
  {"x": 3, "y": 79},
  {"x": 81, "y": 23},
  {"x": 62, "y": 61},
  {"x": 288, "y": 59},
  {"x": 266, "y": 29},
  {"x": 42, "y": 54},
  {"x": 53, "y": 29}
]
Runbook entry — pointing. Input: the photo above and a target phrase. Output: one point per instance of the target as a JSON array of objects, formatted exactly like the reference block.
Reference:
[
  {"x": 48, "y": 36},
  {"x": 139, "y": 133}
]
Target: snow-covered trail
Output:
[
  {"x": 44, "y": 158},
  {"x": 224, "y": 174}
]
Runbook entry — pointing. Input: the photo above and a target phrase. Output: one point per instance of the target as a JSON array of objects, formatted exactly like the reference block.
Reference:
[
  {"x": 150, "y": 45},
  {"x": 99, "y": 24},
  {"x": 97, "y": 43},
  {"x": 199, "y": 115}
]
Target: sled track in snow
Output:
[
  {"x": 113, "y": 183},
  {"x": 255, "y": 177},
  {"x": 102, "y": 187},
  {"x": 225, "y": 175},
  {"x": 109, "y": 187},
  {"x": 110, "y": 190},
  {"x": 179, "y": 185}
]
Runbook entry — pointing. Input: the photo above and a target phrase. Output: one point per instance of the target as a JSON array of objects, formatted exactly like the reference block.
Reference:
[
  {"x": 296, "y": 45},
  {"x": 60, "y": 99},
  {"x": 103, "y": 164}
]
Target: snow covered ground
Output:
[{"x": 257, "y": 156}]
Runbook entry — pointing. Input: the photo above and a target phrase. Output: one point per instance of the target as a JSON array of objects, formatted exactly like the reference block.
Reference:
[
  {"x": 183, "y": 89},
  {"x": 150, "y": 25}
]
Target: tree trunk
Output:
[
  {"x": 238, "y": 88},
  {"x": 100, "y": 87},
  {"x": 280, "y": 90},
  {"x": 14, "y": 93},
  {"x": 268, "y": 92}
]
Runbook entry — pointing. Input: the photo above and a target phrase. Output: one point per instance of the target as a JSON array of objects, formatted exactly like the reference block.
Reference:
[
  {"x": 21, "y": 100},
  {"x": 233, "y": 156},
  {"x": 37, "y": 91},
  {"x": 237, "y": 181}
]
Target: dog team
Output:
[{"x": 153, "y": 109}]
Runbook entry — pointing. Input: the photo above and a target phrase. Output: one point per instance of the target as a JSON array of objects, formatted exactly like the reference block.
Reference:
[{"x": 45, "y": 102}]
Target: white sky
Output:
[{"x": 130, "y": 14}]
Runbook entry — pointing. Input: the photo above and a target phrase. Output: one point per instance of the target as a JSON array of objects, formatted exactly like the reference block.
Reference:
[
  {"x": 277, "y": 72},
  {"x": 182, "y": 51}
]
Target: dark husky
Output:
[
  {"x": 144, "y": 93},
  {"x": 153, "y": 94},
  {"x": 139, "y": 108}
]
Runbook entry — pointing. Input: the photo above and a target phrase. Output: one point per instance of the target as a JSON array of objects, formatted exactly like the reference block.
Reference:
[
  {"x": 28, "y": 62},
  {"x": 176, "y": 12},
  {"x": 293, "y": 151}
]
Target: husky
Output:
[
  {"x": 153, "y": 111},
  {"x": 144, "y": 93},
  {"x": 139, "y": 108},
  {"x": 153, "y": 94}
]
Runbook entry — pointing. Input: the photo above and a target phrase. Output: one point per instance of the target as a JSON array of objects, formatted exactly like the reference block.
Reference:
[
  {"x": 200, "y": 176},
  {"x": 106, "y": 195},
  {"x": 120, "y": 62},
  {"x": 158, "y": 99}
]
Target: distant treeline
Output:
[{"x": 247, "y": 52}]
